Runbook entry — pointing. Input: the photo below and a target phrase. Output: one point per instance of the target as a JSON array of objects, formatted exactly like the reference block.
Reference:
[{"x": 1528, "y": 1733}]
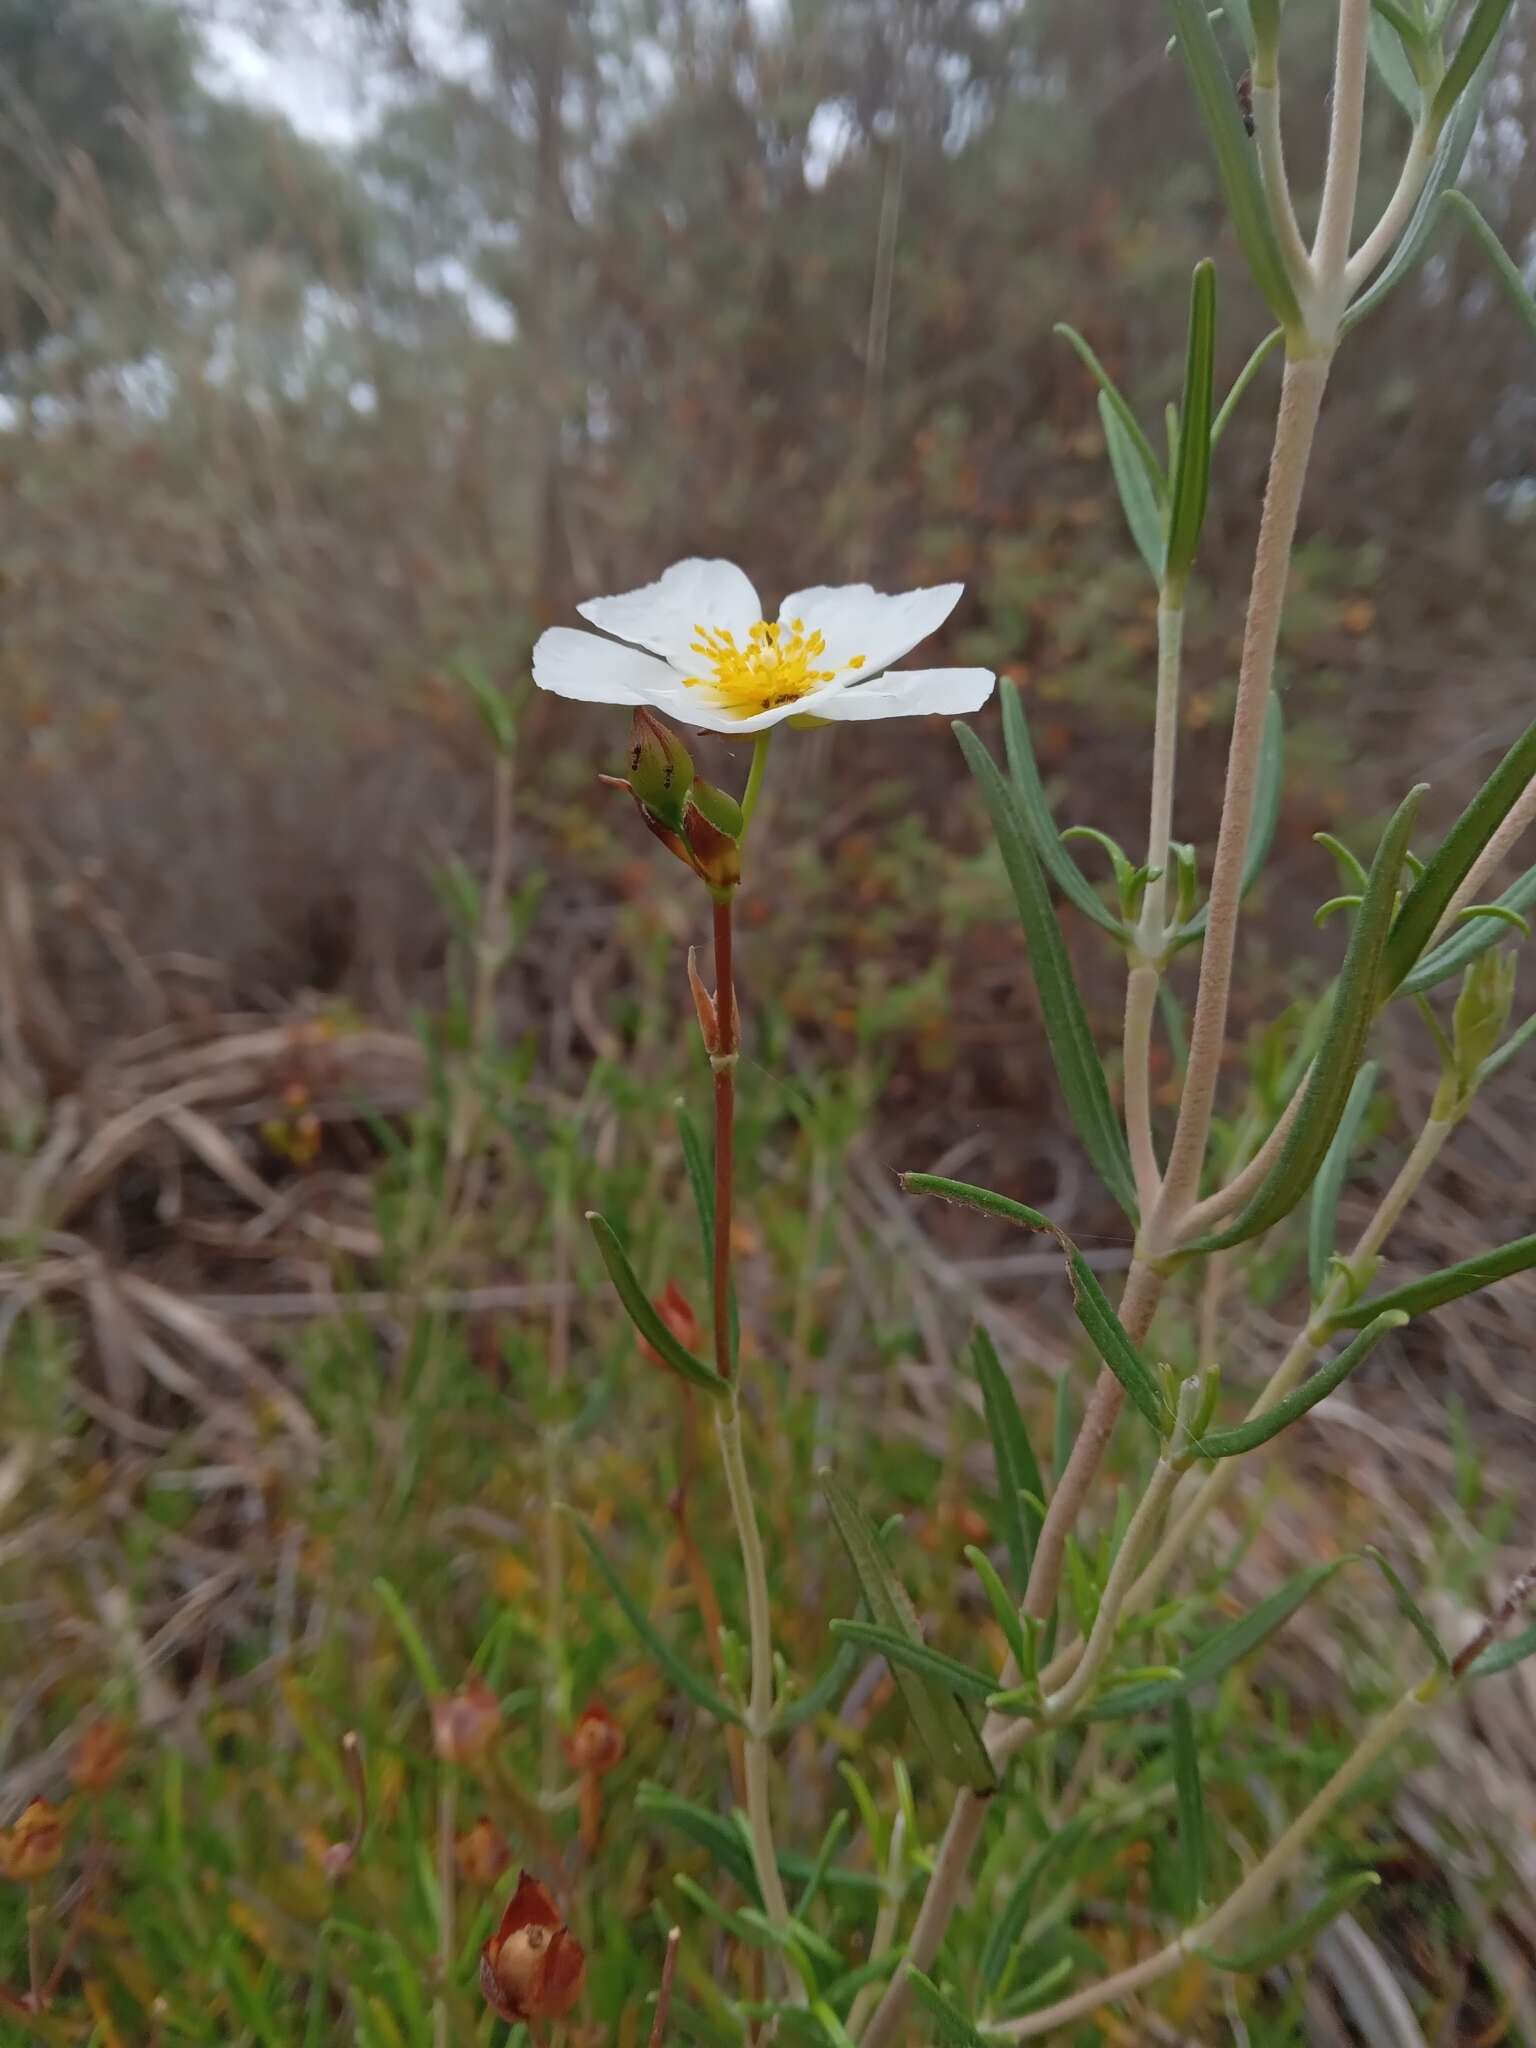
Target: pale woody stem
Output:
[
  {"x": 1341, "y": 182},
  {"x": 1140, "y": 1005},
  {"x": 1165, "y": 742},
  {"x": 1300, "y": 403},
  {"x": 1399, "y": 208},
  {"x": 1277, "y": 187}
]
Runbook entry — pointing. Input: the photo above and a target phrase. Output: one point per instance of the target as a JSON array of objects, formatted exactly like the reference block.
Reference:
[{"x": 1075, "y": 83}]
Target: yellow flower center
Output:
[{"x": 777, "y": 666}]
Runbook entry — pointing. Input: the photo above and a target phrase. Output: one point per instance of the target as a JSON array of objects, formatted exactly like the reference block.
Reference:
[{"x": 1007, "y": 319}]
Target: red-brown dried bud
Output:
[
  {"x": 482, "y": 1854},
  {"x": 465, "y": 1723},
  {"x": 704, "y": 1003},
  {"x": 676, "y": 1311},
  {"x": 34, "y": 1846},
  {"x": 716, "y": 854},
  {"x": 596, "y": 1743},
  {"x": 533, "y": 1967},
  {"x": 99, "y": 1756}
]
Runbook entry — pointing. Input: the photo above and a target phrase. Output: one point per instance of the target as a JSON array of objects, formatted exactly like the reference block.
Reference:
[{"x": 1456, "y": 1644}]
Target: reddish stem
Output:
[{"x": 723, "y": 1059}]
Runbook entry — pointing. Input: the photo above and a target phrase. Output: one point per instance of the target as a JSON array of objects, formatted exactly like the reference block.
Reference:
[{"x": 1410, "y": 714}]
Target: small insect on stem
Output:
[{"x": 1245, "y": 100}]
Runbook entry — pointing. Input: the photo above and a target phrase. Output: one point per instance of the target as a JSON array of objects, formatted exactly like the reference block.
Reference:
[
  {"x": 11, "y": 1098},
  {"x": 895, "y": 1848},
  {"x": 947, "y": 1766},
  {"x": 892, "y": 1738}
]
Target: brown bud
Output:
[
  {"x": 465, "y": 1723},
  {"x": 596, "y": 1743},
  {"x": 99, "y": 1756},
  {"x": 532, "y": 1968},
  {"x": 482, "y": 1854},
  {"x": 716, "y": 855},
  {"x": 34, "y": 1846},
  {"x": 676, "y": 1311}
]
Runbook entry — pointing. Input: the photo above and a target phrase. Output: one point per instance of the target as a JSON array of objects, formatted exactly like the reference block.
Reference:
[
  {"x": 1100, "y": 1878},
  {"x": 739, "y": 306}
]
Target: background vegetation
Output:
[{"x": 324, "y": 1019}]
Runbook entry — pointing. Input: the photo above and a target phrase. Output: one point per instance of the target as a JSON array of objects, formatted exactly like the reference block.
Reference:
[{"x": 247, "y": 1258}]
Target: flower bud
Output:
[
  {"x": 1482, "y": 1012},
  {"x": 660, "y": 769},
  {"x": 533, "y": 1967},
  {"x": 34, "y": 1846},
  {"x": 716, "y": 853},
  {"x": 596, "y": 1743},
  {"x": 482, "y": 1855},
  {"x": 465, "y": 1723}
]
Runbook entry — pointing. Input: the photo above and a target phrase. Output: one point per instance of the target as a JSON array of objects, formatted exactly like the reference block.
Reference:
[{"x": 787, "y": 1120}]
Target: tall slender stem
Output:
[
  {"x": 1341, "y": 181},
  {"x": 723, "y": 1062},
  {"x": 1165, "y": 743},
  {"x": 1399, "y": 208},
  {"x": 1511, "y": 828},
  {"x": 1301, "y": 401},
  {"x": 1277, "y": 186},
  {"x": 754, "y": 788},
  {"x": 1140, "y": 1006}
]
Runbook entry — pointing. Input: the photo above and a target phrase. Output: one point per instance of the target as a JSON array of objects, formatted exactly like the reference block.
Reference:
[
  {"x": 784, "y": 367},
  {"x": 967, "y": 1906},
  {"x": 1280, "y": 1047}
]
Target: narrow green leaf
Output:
[
  {"x": 643, "y": 1315},
  {"x": 947, "y": 1729},
  {"x": 411, "y": 1636},
  {"x": 1004, "y": 1611},
  {"x": 1511, "y": 1049},
  {"x": 1245, "y": 377},
  {"x": 1237, "y": 12},
  {"x": 1417, "y": 1297},
  {"x": 1411, "y": 30},
  {"x": 950, "y": 2023},
  {"x": 1018, "y": 1471},
  {"x": 899, "y": 1649},
  {"x": 1394, "y": 65},
  {"x": 1127, "y": 418},
  {"x": 1043, "y": 836},
  {"x": 1247, "y": 1436},
  {"x": 1266, "y": 814},
  {"x": 831, "y": 1685},
  {"x": 1271, "y": 1949},
  {"x": 1482, "y": 33},
  {"x": 1503, "y": 1656},
  {"x": 831, "y": 1841},
  {"x": 1409, "y": 1608},
  {"x": 1464, "y": 944},
  {"x": 1217, "y": 103},
  {"x": 1066, "y": 1024},
  {"x": 1091, "y": 1304},
  {"x": 1504, "y": 265},
  {"x": 681, "y": 1675},
  {"x": 1444, "y": 170},
  {"x": 1430, "y": 896},
  {"x": 1326, "y": 1091},
  {"x": 1191, "y": 1803},
  {"x": 1004, "y": 1933},
  {"x": 1136, "y": 499},
  {"x": 1322, "y": 1224},
  {"x": 1190, "y": 488},
  {"x": 703, "y": 1826},
  {"x": 1219, "y": 1652}
]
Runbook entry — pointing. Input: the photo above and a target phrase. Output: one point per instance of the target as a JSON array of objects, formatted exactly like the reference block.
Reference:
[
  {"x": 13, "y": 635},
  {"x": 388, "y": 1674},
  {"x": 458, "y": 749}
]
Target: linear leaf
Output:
[
  {"x": 1237, "y": 12},
  {"x": 1266, "y": 814},
  {"x": 899, "y": 1650},
  {"x": 1244, "y": 378},
  {"x": 1472, "y": 938},
  {"x": 1409, "y": 1608},
  {"x": 1482, "y": 33},
  {"x": 1235, "y": 166},
  {"x": 1191, "y": 484},
  {"x": 1004, "y": 1611},
  {"x": 1274, "y": 1948},
  {"x": 833, "y": 1682},
  {"x": 1013, "y": 1457},
  {"x": 1392, "y": 61},
  {"x": 705, "y": 1827},
  {"x": 1504, "y": 266},
  {"x": 643, "y": 1315},
  {"x": 1066, "y": 1025},
  {"x": 1503, "y": 1656},
  {"x": 682, "y": 1675},
  {"x": 1322, "y": 1224},
  {"x": 1247, "y": 1436},
  {"x": 1089, "y": 1301},
  {"x": 1110, "y": 390},
  {"x": 944, "y": 1723},
  {"x": 1326, "y": 1091},
  {"x": 1417, "y": 1297},
  {"x": 1136, "y": 499},
  {"x": 1046, "y": 840},
  {"x": 1444, "y": 170},
  {"x": 950, "y": 2023},
  {"x": 1428, "y": 899},
  {"x": 1219, "y": 1652},
  {"x": 1191, "y": 1803}
]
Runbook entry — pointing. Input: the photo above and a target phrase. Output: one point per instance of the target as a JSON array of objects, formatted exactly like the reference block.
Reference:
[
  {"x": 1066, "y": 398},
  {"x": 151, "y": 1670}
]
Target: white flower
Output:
[{"x": 714, "y": 661}]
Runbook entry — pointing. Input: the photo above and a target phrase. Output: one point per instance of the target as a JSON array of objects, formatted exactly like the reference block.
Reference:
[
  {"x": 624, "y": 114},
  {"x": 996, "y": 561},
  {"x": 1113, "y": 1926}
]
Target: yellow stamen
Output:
[{"x": 775, "y": 667}]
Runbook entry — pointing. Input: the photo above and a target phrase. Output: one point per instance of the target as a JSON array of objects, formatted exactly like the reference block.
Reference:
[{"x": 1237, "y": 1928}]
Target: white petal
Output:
[
  {"x": 856, "y": 620},
  {"x": 599, "y": 671},
  {"x": 911, "y": 693},
  {"x": 697, "y": 708},
  {"x": 665, "y": 615}
]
